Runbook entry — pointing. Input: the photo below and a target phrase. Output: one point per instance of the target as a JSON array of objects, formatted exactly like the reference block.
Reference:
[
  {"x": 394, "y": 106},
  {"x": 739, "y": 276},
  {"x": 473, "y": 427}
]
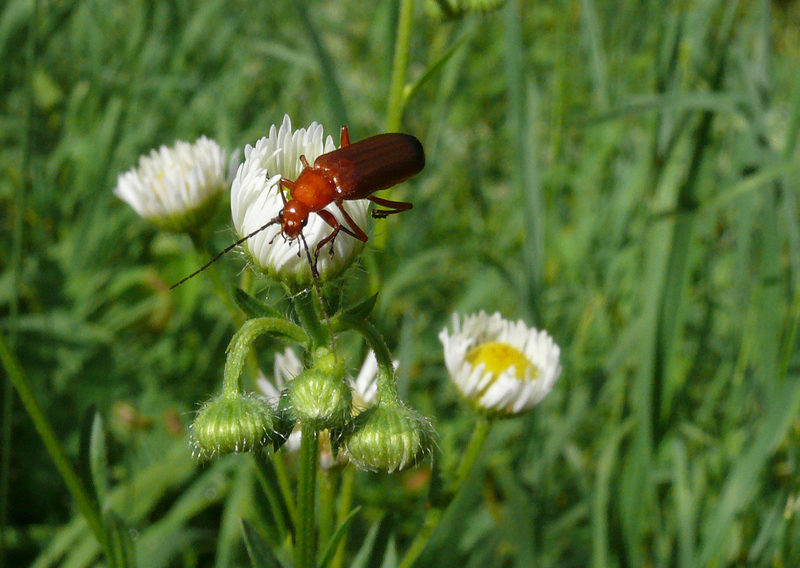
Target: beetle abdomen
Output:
[{"x": 373, "y": 164}]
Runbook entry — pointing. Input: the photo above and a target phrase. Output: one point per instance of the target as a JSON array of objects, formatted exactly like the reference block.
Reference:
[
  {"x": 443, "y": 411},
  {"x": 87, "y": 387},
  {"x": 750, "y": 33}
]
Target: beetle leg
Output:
[
  {"x": 392, "y": 207},
  {"x": 344, "y": 137},
  {"x": 356, "y": 230},
  {"x": 288, "y": 184},
  {"x": 353, "y": 230},
  {"x": 328, "y": 217}
]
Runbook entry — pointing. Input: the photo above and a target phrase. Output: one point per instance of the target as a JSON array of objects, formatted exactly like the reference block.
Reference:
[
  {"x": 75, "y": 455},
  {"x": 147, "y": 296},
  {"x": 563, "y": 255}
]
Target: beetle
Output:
[{"x": 353, "y": 171}]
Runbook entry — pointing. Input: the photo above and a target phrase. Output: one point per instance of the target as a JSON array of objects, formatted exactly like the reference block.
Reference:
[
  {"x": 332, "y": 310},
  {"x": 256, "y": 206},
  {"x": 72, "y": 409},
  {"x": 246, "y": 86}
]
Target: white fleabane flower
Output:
[
  {"x": 256, "y": 200},
  {"x": 177, "y": 188},
  {"x": 502, "y": 367}
]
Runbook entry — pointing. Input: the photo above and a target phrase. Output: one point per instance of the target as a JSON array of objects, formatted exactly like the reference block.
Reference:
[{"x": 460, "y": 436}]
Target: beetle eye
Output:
[{"x": 304, "y": 222}]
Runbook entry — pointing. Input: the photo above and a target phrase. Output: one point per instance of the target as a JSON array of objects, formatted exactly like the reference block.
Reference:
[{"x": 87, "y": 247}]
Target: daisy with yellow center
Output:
[{"x": 500, "y": 366}]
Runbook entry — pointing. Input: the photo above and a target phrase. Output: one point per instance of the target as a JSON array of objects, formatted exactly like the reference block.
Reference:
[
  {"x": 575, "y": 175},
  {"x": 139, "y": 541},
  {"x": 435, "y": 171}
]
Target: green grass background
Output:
[{"x": 621, "y": 173}]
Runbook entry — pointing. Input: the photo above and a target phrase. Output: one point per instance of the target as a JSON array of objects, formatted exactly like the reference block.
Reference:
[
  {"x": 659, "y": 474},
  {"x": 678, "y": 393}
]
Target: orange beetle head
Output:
[{"x": 293, "y": 218}]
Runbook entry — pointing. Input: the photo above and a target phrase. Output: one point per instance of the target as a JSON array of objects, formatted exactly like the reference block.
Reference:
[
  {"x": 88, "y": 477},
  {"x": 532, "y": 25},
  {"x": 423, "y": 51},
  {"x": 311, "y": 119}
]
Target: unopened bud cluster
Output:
[{"x": 386, "y": 437}]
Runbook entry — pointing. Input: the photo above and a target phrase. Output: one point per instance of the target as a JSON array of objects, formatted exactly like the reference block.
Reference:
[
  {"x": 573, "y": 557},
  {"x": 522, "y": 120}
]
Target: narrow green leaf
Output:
[
  {"x": 435, "y": 67},
  {"x": 261, "y": 555},
  {"x": 364, "y": 308},
  {"x": 330, "y": 548},
  {"x": 121, "y": 543},
  {"x": 361, "y": 559},
  {"x": 251, "y": 306},
  {"x": 91, "y": 456},
  {"x": 330, "y": 83}
]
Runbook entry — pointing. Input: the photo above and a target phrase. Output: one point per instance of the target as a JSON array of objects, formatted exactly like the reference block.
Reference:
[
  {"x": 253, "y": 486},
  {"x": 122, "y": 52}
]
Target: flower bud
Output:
[
  {"x": 227, "y": 424},
  {"x": 389, "y": 438},
  {"x": 321, "y": 400}
]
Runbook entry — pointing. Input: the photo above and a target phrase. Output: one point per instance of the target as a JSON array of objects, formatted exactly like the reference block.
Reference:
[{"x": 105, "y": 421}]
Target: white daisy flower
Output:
[
  {"x": 501, "y": 366},
  {"x": 256, "y": 200},
  {"x": 176, "y": 188}
]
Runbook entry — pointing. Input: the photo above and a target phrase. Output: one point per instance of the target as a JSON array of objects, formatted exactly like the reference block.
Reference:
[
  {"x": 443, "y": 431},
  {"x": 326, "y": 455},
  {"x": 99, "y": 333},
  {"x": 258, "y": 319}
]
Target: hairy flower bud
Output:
[
  {"x": 320, "y": 399},
  {"x": 389, "y": 438},
  {"x": 227, "y": 424}
]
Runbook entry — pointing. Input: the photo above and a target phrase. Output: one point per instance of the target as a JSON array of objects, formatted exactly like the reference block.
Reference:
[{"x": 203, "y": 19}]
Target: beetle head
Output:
[{"x": 293, "y": 218}]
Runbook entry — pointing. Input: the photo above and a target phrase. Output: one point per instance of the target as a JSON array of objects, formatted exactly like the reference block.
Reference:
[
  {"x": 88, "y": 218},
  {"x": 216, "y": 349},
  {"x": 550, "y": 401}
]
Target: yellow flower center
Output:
[{"x": 498, "y": 357}]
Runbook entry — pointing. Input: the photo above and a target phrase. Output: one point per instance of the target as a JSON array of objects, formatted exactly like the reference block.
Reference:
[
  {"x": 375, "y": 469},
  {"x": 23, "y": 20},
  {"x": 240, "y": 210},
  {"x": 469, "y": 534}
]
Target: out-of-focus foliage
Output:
[{"x": 621, "y": 173}]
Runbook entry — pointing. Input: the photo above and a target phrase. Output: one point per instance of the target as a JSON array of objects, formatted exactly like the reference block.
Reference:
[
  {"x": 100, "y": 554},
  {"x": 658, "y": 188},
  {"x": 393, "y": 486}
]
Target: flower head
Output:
[
  {"x": 389, "y": 437},
  {"x": 228, "y": 424},
  {"x": 176, "y": 188},
  {"x": 256, "y": 200},
  {"x": 500, "y": 366}
]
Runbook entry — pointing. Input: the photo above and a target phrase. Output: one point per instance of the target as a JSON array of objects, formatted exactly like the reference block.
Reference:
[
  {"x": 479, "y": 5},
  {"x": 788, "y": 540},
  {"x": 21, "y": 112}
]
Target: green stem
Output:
[
  {"x": 305, "y": 306},
  {"x": 474, "y": 448},
  {"x": 327, "y": 513},
  {"x": 239, "y": 347},
  {"x": 342, "y": 511},
  {"x": 387, "y": 384},
  {"x": 57, "y": 454},
  {"x": 304, "y": 547},
  {"x": 394, "y": 113},
  {"x": 15, "y": 267},
  {"x": 435, "y": 514},
  {"x": 432, "y": 518}
]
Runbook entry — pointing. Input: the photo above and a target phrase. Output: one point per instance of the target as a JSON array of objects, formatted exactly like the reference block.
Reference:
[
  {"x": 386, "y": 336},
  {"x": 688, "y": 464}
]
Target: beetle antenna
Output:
[
  {"x": 315, "y": 277},
  {"x": 227, "y": 250}
]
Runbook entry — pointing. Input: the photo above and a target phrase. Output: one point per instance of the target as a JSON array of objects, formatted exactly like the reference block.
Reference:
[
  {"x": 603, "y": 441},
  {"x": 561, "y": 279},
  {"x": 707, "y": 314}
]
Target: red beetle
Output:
[{"x": 353, "y": 171}]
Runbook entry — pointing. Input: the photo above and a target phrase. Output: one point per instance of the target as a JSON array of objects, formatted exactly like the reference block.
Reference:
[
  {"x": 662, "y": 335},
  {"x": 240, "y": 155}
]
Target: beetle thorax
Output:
[{"x": 314, "y": 189}]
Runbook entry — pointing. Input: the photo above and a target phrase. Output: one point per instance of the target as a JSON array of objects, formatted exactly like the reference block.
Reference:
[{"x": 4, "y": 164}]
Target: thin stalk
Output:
[
  {"x": 304, "y": 547},
  {"x": 306, "y": 309},
  {"x": 239, "y": 347},
  {"x": 45, "y": 430},
  {"x": 474, "y": 448},
  {"x": 15, "y": 265},
  {"x": 327, "y": 509},
  {"x": 394, "y": 112},
  {"x": 342, "y": 511},
  {"x": 387, "y": 384},
  {"x": 434, "y": 514}
]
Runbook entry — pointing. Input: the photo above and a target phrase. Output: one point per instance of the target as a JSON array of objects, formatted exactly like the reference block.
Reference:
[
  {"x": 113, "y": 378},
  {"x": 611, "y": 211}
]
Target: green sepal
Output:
[
  {"x": 359, "y": 311},
  {"x": 251, "y": 306}
]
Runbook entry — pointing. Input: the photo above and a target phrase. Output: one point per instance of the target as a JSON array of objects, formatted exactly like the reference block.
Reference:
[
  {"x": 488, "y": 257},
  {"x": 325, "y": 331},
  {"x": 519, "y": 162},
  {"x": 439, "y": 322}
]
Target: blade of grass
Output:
[{"x": 330, "y": 83}]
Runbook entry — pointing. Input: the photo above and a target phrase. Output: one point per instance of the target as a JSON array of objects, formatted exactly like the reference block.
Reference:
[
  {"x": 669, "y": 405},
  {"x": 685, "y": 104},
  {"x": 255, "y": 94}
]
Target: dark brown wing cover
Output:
[{"x": 373, "y": 164}]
